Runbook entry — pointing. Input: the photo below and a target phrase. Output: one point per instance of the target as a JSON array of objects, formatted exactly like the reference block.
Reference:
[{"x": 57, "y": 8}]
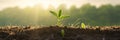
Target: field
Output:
[{"x": 54, "y": 33}]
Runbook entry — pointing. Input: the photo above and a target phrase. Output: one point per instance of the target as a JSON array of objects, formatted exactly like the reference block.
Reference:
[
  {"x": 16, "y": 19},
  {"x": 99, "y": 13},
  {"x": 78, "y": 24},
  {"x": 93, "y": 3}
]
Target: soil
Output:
[{"x": 54, "y": 33}]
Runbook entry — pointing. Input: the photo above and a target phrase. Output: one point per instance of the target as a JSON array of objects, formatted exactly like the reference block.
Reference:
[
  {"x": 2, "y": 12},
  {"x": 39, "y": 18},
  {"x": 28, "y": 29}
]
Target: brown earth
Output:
[{"x": 54, "y": 33}]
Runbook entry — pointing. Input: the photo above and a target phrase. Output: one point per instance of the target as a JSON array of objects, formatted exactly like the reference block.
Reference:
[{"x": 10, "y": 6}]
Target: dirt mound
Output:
[{"x": 54, "y": 33}]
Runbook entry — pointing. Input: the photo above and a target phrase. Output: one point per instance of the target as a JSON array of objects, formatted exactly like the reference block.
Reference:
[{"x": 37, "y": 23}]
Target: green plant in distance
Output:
[{"x": 59, "y": 16}]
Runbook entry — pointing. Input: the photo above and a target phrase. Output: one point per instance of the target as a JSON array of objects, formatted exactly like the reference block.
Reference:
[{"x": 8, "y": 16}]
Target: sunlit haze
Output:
[{"x": 55, "y": 3}]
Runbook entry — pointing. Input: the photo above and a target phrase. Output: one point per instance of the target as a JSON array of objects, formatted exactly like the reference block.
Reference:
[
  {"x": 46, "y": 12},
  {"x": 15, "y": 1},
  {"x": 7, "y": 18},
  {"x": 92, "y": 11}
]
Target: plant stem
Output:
[{"x": 58, "y": 22}]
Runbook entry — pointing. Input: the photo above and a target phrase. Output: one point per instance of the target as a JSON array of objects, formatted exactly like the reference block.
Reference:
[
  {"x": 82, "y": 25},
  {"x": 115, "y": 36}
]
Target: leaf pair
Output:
[
  {"x": 56, "y": 14},
  {"x": 59, "y": 16}
]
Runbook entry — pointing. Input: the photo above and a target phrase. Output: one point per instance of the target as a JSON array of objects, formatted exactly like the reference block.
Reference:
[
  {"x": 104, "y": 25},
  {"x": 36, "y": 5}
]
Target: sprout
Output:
[
  {"x": 83, "y": 25},
  {"x": 59, "y": 16}
]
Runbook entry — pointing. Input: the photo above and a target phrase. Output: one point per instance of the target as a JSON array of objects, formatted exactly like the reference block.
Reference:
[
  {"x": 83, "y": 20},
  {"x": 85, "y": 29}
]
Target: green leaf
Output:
[
  {"x": 54, "y": 13},
  {"x": 83, "y": 25},
  {"x": 62, "y": 17},
  {"x": 60, "y": 12}
]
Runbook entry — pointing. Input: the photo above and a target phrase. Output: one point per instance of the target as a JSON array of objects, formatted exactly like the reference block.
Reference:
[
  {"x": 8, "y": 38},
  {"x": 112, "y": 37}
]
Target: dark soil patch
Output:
[{"x": 54, "y": 33}]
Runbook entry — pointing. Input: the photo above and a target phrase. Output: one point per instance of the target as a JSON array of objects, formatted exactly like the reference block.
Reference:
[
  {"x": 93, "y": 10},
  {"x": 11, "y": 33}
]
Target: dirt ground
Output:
[{"x": 54, "y": 33}]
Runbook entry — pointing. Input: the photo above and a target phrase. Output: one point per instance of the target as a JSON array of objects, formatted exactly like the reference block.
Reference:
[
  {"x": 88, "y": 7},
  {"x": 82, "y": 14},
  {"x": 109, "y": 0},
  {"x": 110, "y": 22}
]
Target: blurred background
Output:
[{"x": 36, "y": 12}]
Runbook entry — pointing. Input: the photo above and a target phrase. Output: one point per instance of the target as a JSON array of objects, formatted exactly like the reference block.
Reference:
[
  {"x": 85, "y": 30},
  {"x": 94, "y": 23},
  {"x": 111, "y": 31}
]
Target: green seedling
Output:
[
  {"x": 62, "y": 32},
  {"x": 83, "y": 25},
  {"x": 59, "y": 16}
]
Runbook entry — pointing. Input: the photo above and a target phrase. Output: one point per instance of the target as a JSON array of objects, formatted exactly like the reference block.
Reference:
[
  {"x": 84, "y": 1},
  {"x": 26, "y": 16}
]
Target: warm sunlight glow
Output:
[
  {"x": 55, "y": 3},
  {"x": 45, "y": 3},
  {"x": 26, "y": 4}
]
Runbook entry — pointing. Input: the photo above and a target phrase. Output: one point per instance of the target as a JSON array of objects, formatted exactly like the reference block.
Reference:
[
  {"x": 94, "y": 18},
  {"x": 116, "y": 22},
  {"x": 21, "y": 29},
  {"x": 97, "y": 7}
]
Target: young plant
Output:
[
  {"x": 59, "y": 16},
  {"x": 83, "y": 25}
]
